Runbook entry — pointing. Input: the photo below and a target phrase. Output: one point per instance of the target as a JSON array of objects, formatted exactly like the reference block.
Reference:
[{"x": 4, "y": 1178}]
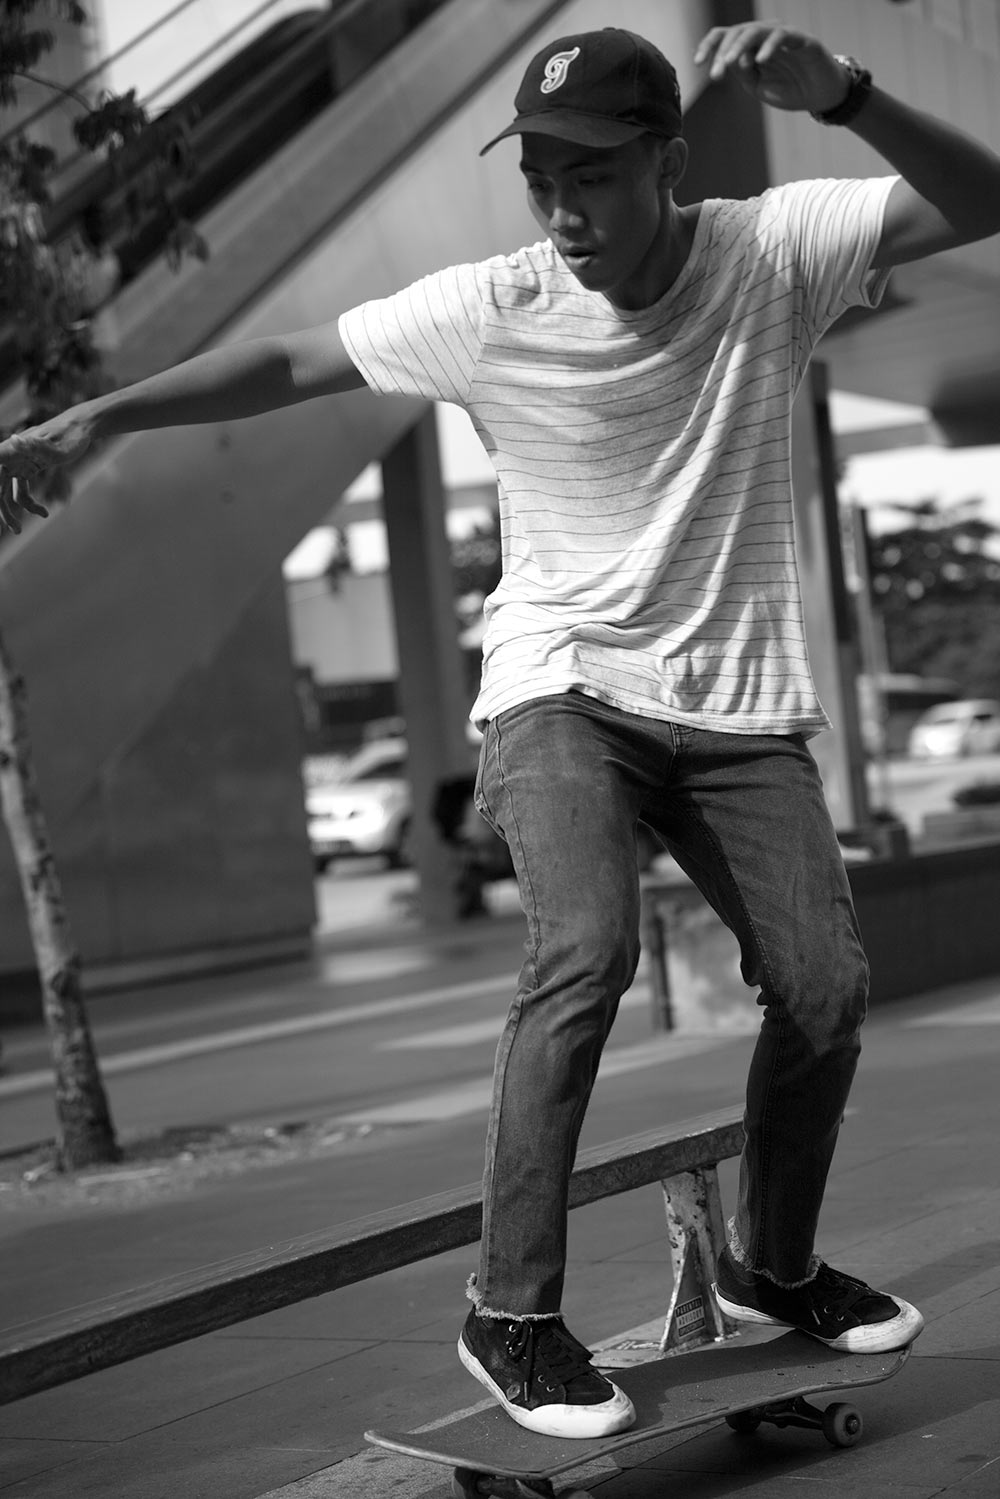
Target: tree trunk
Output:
[{"x": 85, "y": 1133}]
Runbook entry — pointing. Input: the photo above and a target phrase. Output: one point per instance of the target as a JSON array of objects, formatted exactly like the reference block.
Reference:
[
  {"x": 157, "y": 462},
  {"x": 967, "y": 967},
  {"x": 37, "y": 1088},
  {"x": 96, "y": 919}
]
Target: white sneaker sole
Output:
[
  {"x": 872, "y": 1337},
  {"x": 617, "y": 1414}
]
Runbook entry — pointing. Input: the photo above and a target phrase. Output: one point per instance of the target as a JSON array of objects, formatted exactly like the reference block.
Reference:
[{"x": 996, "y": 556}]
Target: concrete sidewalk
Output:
[{"x": 277, "y": 1407}]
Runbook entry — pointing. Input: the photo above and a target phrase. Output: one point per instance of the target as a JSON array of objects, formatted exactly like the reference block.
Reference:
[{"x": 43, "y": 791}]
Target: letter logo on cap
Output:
[{"x": 556, "y": 69}]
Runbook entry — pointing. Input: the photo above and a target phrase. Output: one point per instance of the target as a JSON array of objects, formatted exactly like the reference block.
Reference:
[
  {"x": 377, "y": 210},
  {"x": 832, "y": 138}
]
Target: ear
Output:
[{"x": 673, "y": 162}]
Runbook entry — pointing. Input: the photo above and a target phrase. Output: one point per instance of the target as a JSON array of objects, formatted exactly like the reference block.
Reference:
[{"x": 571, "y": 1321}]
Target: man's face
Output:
[{"x": 604, "y": 211}]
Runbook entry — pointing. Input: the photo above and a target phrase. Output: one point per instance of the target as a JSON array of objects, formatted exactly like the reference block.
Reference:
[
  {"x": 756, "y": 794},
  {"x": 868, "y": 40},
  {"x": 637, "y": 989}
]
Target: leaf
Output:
[{"x": 115, "y": 121}]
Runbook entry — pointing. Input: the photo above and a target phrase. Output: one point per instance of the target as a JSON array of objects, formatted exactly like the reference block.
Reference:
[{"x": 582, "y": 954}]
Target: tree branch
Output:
[{"x": 57, "y": 88}]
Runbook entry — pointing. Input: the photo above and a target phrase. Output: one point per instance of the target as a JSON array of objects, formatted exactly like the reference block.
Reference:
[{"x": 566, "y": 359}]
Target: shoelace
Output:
[
  {"x": 546, "y": 1348},
  {"x": 840, "y": 1292}
]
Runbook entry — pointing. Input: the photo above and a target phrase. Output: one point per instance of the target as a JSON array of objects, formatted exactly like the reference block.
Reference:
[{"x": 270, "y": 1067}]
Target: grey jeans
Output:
[{"x": 564, "y": 779}]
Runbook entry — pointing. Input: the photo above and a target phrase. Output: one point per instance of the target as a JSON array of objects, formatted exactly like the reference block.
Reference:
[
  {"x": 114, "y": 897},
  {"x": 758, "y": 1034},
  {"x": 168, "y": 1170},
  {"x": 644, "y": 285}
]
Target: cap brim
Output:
[{"x": 570, "y": 125}]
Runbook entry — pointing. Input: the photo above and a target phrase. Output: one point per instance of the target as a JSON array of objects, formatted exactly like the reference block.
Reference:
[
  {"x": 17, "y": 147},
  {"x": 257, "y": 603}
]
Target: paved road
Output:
[
  {"x": 388, "y": 1036},
  {"x": 912, "y": 788}
]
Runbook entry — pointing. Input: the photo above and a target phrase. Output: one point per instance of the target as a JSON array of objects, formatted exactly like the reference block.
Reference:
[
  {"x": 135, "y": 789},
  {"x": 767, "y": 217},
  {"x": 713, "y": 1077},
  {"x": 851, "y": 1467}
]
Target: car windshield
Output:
[{"x": 969, "y": 711}]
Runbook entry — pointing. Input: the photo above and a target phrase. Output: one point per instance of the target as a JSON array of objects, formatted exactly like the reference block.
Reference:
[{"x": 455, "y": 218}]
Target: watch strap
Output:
[{"x": 858, "y": 88}]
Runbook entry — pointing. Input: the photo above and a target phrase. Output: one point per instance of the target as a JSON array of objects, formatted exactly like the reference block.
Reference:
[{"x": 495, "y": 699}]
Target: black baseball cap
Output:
[{"x": 598, "y": 88}]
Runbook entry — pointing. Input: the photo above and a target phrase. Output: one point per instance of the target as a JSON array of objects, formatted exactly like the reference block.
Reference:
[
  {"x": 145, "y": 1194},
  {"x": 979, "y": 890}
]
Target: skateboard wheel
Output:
[
  {"x": 842, "y": 1424},
  {"x": 468, "y": 1483},
  {"x": 743, "y": 1421},
  {"x": 465, "y": 1484}
]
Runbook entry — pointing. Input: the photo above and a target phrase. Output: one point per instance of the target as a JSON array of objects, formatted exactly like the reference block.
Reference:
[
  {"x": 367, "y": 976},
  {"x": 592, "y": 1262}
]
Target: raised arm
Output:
[
  {"x": 949, "y": 188},
  {"x": 226, "y": 384}
]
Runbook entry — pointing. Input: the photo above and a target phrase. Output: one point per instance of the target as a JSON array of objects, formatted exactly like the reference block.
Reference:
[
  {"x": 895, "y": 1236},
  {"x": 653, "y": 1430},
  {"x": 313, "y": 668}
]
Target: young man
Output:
[{"x": 631, "y": 376}]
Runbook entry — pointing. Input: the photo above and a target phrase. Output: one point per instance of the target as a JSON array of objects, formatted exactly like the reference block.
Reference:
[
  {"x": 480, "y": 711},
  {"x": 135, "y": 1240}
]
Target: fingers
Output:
[
  {"x": 745, "y": 47},
  {"x": 15, "y": 499},
  {"x": 8, "y": 505},
  {"x": 30, "y": 503}
]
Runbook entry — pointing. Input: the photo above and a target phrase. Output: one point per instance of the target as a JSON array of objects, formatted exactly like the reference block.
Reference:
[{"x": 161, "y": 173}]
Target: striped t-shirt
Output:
[{"x": 643, "y": 457}]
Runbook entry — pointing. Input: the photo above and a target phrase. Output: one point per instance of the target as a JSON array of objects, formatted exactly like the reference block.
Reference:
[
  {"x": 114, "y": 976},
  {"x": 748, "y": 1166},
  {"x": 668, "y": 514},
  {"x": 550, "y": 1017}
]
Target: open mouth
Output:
[{"x": 577, "y": 257}]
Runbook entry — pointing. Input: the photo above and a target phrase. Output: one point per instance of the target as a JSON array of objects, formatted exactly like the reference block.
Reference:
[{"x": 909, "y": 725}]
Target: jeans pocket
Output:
[{"x": 487, "y": 758}]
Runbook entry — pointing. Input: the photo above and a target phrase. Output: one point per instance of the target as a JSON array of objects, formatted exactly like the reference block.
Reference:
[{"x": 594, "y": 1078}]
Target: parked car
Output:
[
  {"x": 364, "y": 810},
  {"x": 968, "y": 727}
]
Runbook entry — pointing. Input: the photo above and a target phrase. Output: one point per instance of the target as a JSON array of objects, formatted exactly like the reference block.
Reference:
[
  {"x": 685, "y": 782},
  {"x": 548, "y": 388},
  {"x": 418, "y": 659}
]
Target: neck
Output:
[
  {"x": 668, "y": 257},
  {"x": 683, "y": 222}
]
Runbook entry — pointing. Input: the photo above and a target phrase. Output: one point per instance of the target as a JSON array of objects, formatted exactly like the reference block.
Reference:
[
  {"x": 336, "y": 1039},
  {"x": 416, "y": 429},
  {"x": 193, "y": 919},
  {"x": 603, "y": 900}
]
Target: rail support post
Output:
[
  {"x": 697, "y": 1235},
  {"x": 654, "y": 943}
]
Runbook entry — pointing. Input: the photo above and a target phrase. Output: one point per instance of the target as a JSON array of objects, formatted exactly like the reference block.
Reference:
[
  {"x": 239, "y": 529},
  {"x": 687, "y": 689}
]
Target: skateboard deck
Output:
[{"x": 743, "y": 1382}]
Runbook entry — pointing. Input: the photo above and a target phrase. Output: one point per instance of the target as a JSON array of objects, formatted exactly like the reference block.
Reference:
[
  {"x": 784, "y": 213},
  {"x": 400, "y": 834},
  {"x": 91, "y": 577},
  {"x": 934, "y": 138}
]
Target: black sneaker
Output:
[
  {"x": 842, "y": 1312},
  {"x": 543, "y": 1377}
]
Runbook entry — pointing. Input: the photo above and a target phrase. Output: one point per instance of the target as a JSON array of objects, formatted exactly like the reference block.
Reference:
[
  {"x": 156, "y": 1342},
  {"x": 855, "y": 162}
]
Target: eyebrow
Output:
[{"x": 590, "y": 160}]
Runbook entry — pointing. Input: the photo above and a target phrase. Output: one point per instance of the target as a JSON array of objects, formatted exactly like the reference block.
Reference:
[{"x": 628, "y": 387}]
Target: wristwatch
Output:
[{"x": 858, "y": 88}]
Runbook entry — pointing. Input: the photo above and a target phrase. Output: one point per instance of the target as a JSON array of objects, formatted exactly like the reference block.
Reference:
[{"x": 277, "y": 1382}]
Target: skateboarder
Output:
[{"x": 631, "y": 375}]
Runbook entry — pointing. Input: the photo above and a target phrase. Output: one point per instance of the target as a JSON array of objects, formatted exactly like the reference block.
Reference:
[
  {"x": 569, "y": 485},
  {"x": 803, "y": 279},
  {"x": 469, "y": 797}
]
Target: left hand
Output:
[{"x": 781, "y": 67}]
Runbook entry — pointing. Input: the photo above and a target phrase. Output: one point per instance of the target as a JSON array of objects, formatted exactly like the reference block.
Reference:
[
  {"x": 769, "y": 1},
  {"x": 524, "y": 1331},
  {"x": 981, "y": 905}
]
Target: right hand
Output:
[
  {"x": 25, "y": 457},
  {"x": 780, "y": 66}
]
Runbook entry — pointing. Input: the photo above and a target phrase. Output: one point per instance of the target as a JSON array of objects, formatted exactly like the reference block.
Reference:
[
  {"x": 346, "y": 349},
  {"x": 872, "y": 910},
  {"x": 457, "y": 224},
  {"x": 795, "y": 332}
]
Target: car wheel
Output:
[{"x": 401, "y": 857}]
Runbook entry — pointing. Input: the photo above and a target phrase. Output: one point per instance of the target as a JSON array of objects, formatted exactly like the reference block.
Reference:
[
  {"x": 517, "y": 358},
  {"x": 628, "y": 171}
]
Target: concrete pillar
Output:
[
  {"x": 830, "y": 633},
  {"x": 430, "y": 669}
]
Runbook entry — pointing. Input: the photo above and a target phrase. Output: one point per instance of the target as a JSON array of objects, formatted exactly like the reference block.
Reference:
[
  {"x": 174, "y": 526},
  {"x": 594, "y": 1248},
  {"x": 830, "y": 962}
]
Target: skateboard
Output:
[{"x": 742, "y": 1382}]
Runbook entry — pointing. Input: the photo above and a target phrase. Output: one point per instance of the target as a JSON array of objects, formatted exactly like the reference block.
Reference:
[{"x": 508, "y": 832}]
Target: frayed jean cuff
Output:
[
  {"x": 475, "y": 1296},
  {"x": 741, "y": 1257}
]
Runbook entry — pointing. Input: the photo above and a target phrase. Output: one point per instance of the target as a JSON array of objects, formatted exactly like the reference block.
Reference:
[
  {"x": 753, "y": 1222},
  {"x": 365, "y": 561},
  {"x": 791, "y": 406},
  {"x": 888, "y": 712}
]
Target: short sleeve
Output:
[
  {"x": 832, "y": 230},
  {"x": 422, "y": 341}
]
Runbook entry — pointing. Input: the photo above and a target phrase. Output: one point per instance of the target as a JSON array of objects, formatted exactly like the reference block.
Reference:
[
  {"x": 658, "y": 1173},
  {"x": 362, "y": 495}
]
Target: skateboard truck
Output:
[{"x": 841, "y": 1423}]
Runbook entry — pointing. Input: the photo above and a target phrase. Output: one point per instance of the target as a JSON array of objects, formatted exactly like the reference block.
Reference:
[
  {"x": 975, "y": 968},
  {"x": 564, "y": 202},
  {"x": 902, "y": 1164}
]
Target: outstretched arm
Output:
[
  {"x": 226, "y": 384},
  {"x": 949, "y": 188}
]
